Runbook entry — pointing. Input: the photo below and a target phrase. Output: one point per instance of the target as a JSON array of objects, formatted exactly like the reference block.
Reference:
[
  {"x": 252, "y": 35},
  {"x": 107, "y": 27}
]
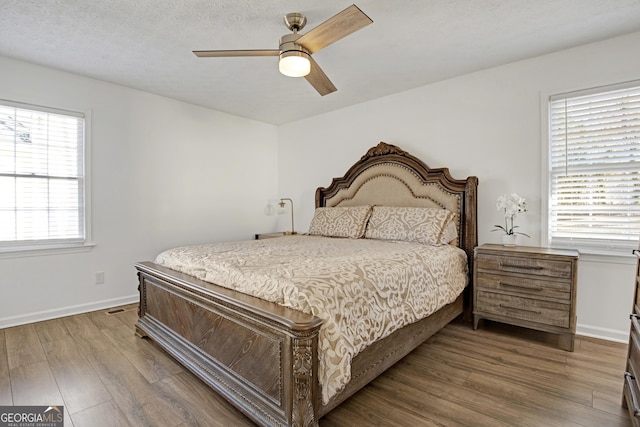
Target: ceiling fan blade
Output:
[
  {"x": 228, "y": 53},
  {"x": 333, "y": 29},
  {"x": 319, "y": 79}
]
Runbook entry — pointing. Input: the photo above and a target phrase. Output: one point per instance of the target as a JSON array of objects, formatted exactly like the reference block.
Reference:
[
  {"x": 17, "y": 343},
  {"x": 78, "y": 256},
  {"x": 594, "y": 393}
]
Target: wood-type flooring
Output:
[{"x": 498, "y": 375}]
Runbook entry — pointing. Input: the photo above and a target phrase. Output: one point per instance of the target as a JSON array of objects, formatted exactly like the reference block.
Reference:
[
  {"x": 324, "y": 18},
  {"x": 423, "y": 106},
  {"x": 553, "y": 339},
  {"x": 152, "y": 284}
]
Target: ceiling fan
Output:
[{"x": 295, "y": 49}]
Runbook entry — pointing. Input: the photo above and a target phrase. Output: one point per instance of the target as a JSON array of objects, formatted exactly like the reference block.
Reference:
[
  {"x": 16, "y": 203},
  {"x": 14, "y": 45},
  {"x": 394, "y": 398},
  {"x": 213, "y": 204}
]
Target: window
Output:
[
  {"x": 594, "y": 162},
  {"x": 42, "y": 177}
]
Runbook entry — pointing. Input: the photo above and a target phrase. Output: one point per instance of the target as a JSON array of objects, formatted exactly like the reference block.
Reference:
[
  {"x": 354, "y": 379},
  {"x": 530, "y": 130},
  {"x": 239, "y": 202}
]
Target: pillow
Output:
[
  {"x": 423, "y": 225},
  {"x": 349, "y": 221}
]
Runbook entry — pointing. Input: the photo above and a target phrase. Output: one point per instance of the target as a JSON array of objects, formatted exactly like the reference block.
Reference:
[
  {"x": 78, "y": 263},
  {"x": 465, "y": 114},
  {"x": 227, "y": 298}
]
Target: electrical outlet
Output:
[{"x": 99, "y": 277}]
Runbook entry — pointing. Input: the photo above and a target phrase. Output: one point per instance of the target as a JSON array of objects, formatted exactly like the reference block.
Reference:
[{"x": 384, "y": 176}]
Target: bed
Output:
[{"x": 265, "y": 356}]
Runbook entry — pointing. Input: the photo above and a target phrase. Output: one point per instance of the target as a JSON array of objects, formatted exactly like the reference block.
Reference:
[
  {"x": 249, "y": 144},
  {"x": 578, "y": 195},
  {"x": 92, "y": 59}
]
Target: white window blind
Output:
[
  {"x": 594, "y": 202},
  {"x": 41, "y": 176}
]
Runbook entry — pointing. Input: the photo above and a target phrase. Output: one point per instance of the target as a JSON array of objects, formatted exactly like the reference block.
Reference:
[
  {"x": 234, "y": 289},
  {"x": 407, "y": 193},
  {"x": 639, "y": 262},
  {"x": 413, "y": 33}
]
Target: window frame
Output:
[
  {"x": 599, "y": 250},
  {"x": 16, "y": 249}
]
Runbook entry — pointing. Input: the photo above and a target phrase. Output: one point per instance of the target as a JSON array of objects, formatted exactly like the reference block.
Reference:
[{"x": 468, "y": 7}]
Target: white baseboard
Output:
[
  {"x": 40, "y": 316},
  {"x": 603, "y": 333}
]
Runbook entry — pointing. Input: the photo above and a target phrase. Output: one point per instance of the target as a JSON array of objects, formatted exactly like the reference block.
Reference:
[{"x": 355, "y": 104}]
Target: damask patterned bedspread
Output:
[{"x": 362, "y": 289}]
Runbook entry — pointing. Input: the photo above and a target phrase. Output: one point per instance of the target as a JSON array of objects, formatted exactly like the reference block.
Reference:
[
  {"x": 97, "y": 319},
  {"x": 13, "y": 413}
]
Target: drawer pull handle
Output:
[
  {"x": 524, "y": 267},
  {"x": 520, "y": 308},
  {"x": 628, "y": 378},
  {"x": 531, "y": 288}
]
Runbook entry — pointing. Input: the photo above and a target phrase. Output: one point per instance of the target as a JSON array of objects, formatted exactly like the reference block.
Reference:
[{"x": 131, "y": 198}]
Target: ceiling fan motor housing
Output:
[{"x": 288, "y": 43}]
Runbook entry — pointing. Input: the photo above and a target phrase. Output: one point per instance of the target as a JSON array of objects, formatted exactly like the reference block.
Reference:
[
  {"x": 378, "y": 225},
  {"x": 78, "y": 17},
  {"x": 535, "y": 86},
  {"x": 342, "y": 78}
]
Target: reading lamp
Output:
[{"x": 282, "y": 207}]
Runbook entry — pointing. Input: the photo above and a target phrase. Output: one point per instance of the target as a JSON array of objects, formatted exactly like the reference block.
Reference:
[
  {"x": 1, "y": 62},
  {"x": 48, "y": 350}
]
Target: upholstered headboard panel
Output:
[{"x": 393, "y": 184}]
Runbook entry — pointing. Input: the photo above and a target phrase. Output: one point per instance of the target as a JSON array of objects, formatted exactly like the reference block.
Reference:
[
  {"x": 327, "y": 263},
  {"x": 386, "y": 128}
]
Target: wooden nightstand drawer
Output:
[
  {"x": 533, "y": 310},
  {"x": 633, "y": 362},
  {"x": 525, "y": 265},
  {"x": 543, "y": 288},
  {"x": 631, "y": 393},
  {"x": 631, "y": 386}
]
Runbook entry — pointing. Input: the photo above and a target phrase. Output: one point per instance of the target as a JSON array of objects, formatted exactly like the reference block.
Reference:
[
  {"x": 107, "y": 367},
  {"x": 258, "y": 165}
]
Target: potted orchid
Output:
[{"x": 511, "y": 204}]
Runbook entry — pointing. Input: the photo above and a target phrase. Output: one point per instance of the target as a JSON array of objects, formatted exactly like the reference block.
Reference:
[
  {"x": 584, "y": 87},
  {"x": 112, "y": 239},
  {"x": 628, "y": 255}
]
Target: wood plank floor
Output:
[{"x": 496, "y": 376}]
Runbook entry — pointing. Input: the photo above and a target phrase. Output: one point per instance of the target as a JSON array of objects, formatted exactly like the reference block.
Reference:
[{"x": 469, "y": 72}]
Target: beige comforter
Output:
[{"x": 361, "y": 289}]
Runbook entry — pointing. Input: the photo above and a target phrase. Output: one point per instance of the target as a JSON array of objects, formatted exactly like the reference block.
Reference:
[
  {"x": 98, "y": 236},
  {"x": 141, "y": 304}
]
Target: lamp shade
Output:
[{"x": 294, "y": 63}]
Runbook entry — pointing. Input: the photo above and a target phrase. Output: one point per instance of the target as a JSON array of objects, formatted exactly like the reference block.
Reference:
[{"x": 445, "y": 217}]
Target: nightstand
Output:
[
  {"x": 527, "y": 286},
  {"x": 270, "y": 235}
]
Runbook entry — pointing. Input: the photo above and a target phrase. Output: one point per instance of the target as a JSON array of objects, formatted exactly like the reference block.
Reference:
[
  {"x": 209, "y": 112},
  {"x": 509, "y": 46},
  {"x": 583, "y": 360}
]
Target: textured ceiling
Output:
[{"x": 147, "y": 44}]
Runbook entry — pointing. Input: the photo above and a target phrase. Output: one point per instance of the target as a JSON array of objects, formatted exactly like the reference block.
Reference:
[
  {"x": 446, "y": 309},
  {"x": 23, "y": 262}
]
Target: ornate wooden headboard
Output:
[{"x": 389, "y": 176}]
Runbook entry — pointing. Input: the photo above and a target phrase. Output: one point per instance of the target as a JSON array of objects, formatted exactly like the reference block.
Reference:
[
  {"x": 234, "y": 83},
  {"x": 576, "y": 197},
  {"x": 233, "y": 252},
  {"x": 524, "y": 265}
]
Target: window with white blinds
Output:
[
  {"x": 594, "y": 137},
  {"x": 42, "y": 182}
]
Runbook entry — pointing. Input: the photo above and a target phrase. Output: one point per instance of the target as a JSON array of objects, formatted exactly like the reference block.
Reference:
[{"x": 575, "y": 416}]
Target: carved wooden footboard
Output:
[{"x": 259, "y": 358}]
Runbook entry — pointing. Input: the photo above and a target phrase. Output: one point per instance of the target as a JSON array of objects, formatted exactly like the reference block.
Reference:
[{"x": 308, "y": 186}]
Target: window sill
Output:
[
  {"x": 610, "y": 258},
  {"x": 29, "y": 251}
]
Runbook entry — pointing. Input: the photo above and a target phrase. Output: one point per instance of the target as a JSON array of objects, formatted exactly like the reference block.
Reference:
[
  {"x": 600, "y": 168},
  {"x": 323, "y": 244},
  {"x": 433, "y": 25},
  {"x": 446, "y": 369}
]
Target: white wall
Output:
[
  {"x": 486, "y": 124},
  {"x": 164, "y": 173}
]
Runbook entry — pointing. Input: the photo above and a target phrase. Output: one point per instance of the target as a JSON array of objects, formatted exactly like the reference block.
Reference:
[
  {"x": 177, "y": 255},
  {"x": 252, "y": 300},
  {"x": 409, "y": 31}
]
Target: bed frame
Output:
[{"x": 262, "y": 357}]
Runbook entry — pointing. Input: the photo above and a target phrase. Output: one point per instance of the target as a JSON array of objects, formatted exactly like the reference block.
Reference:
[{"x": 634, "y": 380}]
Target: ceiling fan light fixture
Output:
[{"x": 294, "y": 63}]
